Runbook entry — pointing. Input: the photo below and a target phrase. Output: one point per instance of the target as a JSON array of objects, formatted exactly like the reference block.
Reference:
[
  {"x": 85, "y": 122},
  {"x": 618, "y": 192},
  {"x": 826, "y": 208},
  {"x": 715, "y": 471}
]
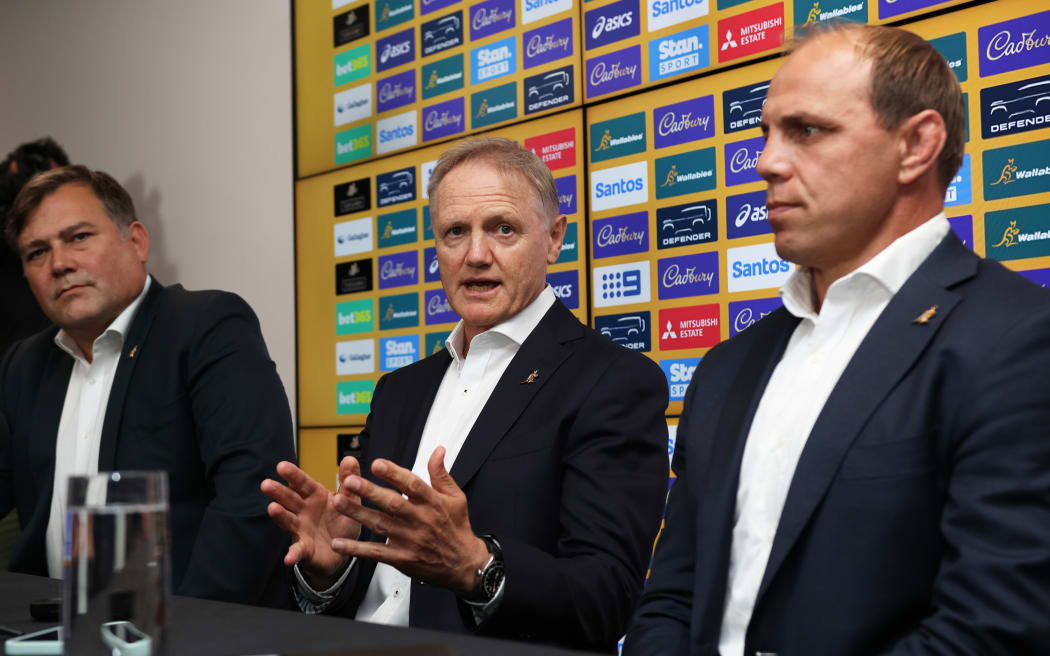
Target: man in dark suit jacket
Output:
[
  {"x": 193, "y": 391},
  {"x": 539, "y": 524},
  {"x": 913, "y": 515}
]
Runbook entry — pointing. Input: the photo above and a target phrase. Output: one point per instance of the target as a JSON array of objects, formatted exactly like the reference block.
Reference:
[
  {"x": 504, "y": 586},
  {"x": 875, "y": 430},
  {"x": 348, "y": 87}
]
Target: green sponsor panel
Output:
[
  {"x": 393, "y": 12},
  {"x": 570, "y": 246},
  {"x": 953, "y": 49},
  {"x": 352, "y": 65},
  {"x": 494, "y": 105},
  {"x": 353, "y": 144},
  {"x": 618, "y": 137},
  {"x": 686, "y": 173},
  {"x": 442, "y": 76},
  {"x": 435, "y": 342},
  {"x": 354, "y": 397},
  {"x": 397, "y": 228},
  {"x": 1017, "y": 170},
  {"x": 1017, "y": 233},
  {"x": 808, "y": 12},
  {"x": 400, "y": 311},
  {"x": 428, "y": 227},
  {"x": 354, "y": 317}
]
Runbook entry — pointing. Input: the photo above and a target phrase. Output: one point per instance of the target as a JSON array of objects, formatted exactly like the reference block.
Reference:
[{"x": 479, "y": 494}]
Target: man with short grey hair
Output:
[{"x": 510, "y": 485}]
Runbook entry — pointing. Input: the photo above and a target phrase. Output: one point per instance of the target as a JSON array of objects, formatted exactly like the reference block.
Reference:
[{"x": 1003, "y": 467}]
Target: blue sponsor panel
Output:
[
  {"x": 566, "y": 286},
  {"x": 1014, "y": 44},
  {"x": 444, "y": 119},
  {"x": 685, "y": 173},
  {"x": 493, "y": 60},
  {"x": 742, "y": 107},
  {"x": 396, "y": 187},
  {"x": 953, "y": 49},
  {"x": 743, "y": 314},
  {"x": 547, "y": 44},
  {"x": 741, "y": 158},
  {"x": 1040, "y": 277},
  {"x": 687, "y": 224},
  {"x": 1015, "y": 107},
  {"x": 399, "y": 269},
  {"x": 611, "y": 23},
  {"x": 400, "y": 311},
  {"x": 431, "y": 270},
  {"x": 960, "y": 190},
  {"x": 688, "y": 275},
  {"x": 491, "y": 17},
  {"x": 746, "y": 215},
  {"x": 632, "y": 330},
  {"x": 427, "y": 6},
  {"x": 615, "y": 71},
  {"x": 549, "y": 90},
  {"x": 889, "y": 8},
  {"x": 566, "y": 194},
  {"x": 620, "y": 235},
  {"x": 395, "y": 50},
  {"x": 682, "y": 122},
  {"x": 570, "y": 245},
  {"x": 395, "y": 91},
  {"x": 679, "y": 53},
  {"x": 962, "y": 226},
  {"x": 396, "y": 352},
  {"x": 437, "y": 307},
  {"x": 679, "y": 373}
]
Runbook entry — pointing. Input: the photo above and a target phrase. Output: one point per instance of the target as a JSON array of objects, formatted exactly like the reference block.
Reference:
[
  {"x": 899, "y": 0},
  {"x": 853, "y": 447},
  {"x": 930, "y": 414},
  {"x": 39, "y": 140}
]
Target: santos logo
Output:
[
  {"x": 620, "y": 186},
  {"x": 353, "y": 236},
  {"x": 679, "y": 53},
  {"x": 665, "y": 13},
  {"x": 396, "y": 132},
  {"x": 396, "y": 352},
  {"x": 534, "y": 10},
  {"x": 621, "y": 284},
  {"x": 756, "y": 267},
  {"x": 356, "y": 357},
  {"x": 353, "y": 104}
]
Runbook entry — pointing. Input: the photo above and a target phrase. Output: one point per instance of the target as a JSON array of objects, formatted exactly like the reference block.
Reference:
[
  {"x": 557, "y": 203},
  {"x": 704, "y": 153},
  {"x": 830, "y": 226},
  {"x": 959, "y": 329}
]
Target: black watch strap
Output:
[{"x": 490, "y": 576}]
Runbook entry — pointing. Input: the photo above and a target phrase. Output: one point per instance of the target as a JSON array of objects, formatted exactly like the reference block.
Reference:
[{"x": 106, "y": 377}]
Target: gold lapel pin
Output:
[
  {"x": 531, "y": 378},
  {"x": 134, "y": 350},
  {"x": 925, "y": 317}
]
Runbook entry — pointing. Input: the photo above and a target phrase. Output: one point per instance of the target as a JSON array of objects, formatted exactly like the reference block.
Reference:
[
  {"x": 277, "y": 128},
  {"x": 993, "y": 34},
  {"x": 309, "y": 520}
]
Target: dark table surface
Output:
[{"x": 199, "y": 627}]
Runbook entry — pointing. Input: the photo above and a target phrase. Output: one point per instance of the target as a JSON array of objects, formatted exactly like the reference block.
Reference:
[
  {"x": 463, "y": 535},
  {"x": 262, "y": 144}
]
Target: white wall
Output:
[{"x": 188, "y": 103}]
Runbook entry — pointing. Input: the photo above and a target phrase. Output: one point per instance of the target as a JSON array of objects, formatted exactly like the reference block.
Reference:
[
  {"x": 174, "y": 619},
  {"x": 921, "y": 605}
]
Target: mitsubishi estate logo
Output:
[
  {"x": 1007, "y": 176},
  {"x": 1009, "y": 236},
  {"x": 669, "y": 332},
  {"x": 751, "y": 32},
  {"x": 729, "y": 42}
]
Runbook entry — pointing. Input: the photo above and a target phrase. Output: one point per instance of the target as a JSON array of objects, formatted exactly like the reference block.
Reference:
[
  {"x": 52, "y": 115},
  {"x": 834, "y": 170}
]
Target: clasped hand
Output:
[{"x": 427, "y": 527}]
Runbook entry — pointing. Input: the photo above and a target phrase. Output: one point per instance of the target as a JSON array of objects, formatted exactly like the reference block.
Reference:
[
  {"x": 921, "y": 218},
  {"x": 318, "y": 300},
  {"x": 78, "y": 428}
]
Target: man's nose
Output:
[
  {"x": 773, "y": 162},
  {"x": 62, "y": 260},
  {"x": 479, "y": 251}
]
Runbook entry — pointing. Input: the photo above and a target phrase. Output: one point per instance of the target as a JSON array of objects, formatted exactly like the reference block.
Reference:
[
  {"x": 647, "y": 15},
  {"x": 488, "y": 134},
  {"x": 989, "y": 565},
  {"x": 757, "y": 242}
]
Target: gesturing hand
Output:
[
  {"x": 307, "y": 510},
  {"x": 428, "y": 533}
]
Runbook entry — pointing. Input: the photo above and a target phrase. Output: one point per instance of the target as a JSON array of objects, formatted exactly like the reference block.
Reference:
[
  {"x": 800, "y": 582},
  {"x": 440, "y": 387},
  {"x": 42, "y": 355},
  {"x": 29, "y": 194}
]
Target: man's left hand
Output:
[{"x": 428, "y": 529}]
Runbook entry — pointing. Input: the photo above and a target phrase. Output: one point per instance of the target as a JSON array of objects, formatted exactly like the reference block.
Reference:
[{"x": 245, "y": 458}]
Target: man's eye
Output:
[
  {"x": 81, "y": 236},
  {"x": 455, "y": 231},
  {"x": 32, "y": 255},
  {"x": 505, "y": 229},
  {"x": 810, "y": 130}
]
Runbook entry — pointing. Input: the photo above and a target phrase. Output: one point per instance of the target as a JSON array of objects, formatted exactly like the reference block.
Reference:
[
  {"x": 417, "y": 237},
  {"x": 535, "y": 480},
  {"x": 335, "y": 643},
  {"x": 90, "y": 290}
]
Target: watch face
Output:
[{"x": 491, "y": 579}]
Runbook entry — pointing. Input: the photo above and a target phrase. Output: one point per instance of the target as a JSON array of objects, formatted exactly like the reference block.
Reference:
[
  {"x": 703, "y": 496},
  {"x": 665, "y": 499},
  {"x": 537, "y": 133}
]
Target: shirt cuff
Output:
[
  {"x": 315, "y": 602},
  {"x": 484, "y": 610}
]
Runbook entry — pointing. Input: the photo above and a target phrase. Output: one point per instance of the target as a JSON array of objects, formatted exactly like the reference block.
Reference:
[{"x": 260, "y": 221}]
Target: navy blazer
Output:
[
  {"x": 195, "y": 394},
  {"x": 918, "y": 518},
  {"x": 569, "y": 472}
]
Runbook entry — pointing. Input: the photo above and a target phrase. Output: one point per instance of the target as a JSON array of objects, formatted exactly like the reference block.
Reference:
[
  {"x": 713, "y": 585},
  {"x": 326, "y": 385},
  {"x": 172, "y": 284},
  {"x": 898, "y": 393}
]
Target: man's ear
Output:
[
  {"x": 922, "y": 138},
  {"x": 138, "y": 236},
  {"x": 557, "y": 234}
]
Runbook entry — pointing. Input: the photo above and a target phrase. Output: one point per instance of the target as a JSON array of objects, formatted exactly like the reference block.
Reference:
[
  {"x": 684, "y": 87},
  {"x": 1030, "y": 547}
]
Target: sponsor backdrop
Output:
[{"x": 668, "y": 250}]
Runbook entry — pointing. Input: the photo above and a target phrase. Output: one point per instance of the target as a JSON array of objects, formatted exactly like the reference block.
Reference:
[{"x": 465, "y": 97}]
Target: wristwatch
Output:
[{"x": 490, "y": 576}]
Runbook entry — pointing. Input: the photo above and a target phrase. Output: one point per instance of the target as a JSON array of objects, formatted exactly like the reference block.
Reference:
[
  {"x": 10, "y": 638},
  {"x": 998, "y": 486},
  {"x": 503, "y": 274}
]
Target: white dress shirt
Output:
[
  {"x": 463, "y": 393},
  {"x": 816, "y": 355},
  {"x": 84, "y": 410}
]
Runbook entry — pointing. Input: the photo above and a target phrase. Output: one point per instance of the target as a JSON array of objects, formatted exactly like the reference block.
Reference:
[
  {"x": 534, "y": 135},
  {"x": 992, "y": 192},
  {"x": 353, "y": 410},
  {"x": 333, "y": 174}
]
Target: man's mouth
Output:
[
  {"x": 480, "y": 285},
  {"x": 70, "y": 288}
]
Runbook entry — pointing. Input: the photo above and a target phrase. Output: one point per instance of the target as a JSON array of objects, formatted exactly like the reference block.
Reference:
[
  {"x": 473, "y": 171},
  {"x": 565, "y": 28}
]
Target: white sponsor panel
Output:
[
  {"x": 534, "y": 10},
  {"x": 756, "y": 267},
  {"x": 665, "y": 13},
  {"x": 425, "y": 169},
  {"x": 353, "y": 104},
  {"x": 619, "y": 186},
  {"x": 672, "y": 437},
  {"x": 353, "y": 236},
  {"x": 621, "y": 284},
  {"x": 355, "y": 357},
  {"x": 396, "y": 132}
]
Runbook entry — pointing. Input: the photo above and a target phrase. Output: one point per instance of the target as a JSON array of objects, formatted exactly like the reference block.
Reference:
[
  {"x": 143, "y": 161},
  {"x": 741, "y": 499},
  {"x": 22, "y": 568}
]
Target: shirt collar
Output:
[
  {"x": 119, "y": 327},
  {"x": 891, "y": 267},
  {"x": 517, "y": 328}
]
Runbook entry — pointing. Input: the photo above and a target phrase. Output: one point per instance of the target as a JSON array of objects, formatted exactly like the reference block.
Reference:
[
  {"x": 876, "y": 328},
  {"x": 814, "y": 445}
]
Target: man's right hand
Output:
[{"x": 304, "y": 509}]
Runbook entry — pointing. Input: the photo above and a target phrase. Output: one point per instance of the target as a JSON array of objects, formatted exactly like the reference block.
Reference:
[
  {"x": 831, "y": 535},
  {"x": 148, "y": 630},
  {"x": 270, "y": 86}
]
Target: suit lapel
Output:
[
  {"x": 134, "y": 344},
  {"x": 543, "y": 352},
  {"x": 50, "y": 401},
  {"x": 888, "y": 351}
]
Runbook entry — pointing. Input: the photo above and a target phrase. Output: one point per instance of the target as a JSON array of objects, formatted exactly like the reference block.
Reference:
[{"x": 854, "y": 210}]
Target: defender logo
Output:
[
  {"x": 1015, "y": 107},
  {"x": 742, "y": 107},
  {"x": 692, "y": 223},
  {"x": 628, "y": 330},
  {"x": 549, "y": 90},
  {"x": 441, "y": 34},
  {"x": 396, "y": 186}
]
